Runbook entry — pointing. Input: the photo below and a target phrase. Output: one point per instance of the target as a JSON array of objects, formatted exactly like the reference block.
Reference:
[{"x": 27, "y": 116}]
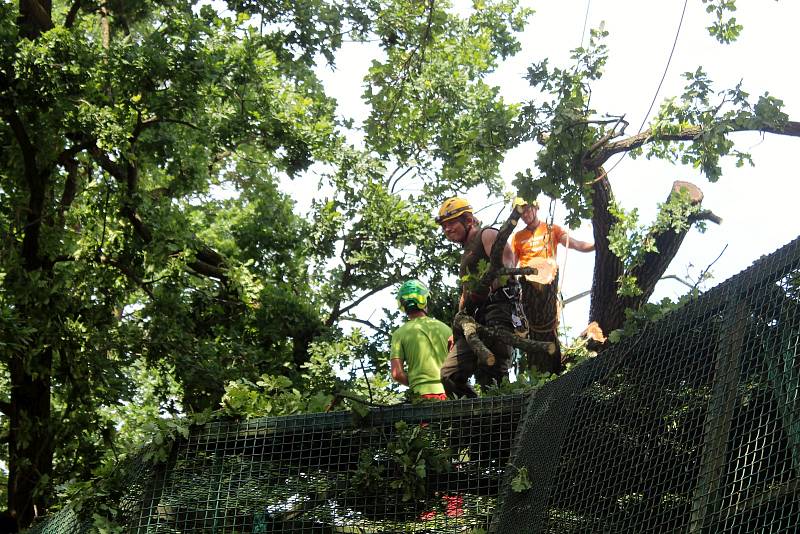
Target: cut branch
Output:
[
  {"x": 469, "y": 326},
  {"x": 527, "y": 345},
  {"x": 475, "y": 332},
  {"x": 496, "y": 254}
]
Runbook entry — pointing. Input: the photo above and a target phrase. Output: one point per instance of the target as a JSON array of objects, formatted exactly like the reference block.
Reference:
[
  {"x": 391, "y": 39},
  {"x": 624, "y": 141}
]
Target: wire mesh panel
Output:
[
  {"x": 693, "y": 426},
  {"x": 434, "y": 467}
]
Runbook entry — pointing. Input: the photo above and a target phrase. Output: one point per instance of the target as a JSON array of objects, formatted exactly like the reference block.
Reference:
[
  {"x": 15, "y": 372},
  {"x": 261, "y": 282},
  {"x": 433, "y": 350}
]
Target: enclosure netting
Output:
[{"x": 691, "y": 426}]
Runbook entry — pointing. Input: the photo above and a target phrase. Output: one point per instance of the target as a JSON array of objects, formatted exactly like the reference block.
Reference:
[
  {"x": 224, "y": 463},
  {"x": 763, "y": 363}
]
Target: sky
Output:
[{"x": 757, "y": 204}]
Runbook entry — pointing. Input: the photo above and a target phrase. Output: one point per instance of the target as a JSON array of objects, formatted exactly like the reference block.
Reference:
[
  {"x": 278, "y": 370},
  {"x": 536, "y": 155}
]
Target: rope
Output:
[{"x": 658, "y": 89}]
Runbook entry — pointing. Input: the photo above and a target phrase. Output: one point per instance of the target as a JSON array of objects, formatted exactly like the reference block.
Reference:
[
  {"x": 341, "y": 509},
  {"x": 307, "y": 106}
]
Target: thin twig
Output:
[{"x": 704, "y": 271}]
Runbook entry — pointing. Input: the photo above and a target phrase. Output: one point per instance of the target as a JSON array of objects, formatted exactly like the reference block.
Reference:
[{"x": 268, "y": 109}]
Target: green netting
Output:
[
  {"x": 693, "y": 426},
  {"x": 330, "y": 473}
]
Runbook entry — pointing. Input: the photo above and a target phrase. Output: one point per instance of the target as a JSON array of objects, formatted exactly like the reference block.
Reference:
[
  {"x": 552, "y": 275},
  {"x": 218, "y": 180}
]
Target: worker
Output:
[
  {"x": 536, "y": 246},
  {"x": 496, "y": 307},
  {"x": 419, "y": 347}
]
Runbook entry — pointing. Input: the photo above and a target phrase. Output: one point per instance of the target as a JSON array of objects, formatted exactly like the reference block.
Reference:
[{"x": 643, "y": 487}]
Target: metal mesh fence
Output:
[
  {"x": 692, "y": 426},
  {"x": 434, "y": 468}
]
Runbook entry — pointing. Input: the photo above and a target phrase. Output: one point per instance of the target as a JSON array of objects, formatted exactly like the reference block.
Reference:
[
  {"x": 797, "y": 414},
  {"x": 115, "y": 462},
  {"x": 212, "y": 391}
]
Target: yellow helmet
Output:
[
  {"x": 519, "y": 201},
  {"x": 452, "y": 208}
]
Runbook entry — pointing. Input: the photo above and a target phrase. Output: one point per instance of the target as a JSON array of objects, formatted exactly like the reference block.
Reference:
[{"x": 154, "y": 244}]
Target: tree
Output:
[
  {"x": 117, "y": 119},
  {"x": 128, "y": 276},
  {"x": 693, "y": 129}
]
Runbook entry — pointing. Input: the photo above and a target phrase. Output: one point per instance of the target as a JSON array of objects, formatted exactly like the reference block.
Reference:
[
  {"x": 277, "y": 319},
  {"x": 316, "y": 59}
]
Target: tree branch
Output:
[
  {"x": 124, "y": 269},
  {"x": 474, "y": 333},
  {"x": 143, "y": 125},
  {"x": 706, "y": 215},
  {"x": 496, "y": 254},
  {"x": 72, "y": 14},
  {"x": 690, "y": 133},
  {"x": 366, "y": 323},
  {"x": 362, "y": 298},
  {"x": 38, "y": 15}
]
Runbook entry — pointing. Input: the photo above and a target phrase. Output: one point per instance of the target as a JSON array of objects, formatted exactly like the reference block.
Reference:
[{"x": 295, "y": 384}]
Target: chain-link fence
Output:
[{"x": 691, "y": 426}]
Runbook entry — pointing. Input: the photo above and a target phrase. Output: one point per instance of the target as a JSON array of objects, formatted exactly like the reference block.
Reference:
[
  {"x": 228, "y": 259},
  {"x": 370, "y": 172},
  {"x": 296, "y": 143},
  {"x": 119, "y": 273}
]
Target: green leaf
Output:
[{"x": 521, "y": 482}]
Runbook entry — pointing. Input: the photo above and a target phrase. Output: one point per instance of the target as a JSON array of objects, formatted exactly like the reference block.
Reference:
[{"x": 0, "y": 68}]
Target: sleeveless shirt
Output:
[{"x": 474, "y": 253}]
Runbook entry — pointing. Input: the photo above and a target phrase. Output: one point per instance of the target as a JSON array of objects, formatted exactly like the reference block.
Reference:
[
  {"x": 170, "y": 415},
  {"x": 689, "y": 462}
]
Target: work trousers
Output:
[{"x": 462, "y": 363}]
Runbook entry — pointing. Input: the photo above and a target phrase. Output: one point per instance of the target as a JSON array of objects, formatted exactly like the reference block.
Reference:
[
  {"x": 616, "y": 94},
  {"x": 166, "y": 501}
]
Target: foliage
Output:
[
  {"x": 717, "y": 116},
  {"x": 529, "y": 378},
  {"x": 631, "y": 242},
  {"x": 564, "y": 126},
  {"x": 723, "y": 30},
  {"x": 270, "y": 396},
  {"x": 648, "y": 313},
  {"x": 411, "y": 454},
  {"x": 521, "y": 482}
]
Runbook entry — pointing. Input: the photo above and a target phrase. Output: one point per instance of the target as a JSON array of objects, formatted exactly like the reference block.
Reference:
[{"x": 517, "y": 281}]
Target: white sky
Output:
[{"x": 757, "y": 204}]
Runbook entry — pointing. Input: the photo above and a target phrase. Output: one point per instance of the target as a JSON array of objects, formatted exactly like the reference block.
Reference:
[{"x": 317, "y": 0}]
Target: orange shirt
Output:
[{"x": 541, "y": 243}]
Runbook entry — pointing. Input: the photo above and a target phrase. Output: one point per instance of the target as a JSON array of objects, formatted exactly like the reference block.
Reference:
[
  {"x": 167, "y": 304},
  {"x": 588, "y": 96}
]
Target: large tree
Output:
[
  {"x": 118, "y": 121},
  {"x": 149, "y": 254}
]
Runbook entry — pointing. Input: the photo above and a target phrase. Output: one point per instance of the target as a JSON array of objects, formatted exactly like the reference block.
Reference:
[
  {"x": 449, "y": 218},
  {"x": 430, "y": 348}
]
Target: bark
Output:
[
  {"x": 605, "y": 303},
  {"x": 35, "y": 17},
  {"x": 496, "y": 254},
  {"x": 30, "y": 442},
  {"x": 30, "y": 438}
]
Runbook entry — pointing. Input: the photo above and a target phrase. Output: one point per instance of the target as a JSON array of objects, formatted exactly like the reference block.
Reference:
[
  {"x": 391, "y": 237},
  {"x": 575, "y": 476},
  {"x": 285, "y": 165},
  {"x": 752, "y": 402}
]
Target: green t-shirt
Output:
[{"x": 421, "y": 344}]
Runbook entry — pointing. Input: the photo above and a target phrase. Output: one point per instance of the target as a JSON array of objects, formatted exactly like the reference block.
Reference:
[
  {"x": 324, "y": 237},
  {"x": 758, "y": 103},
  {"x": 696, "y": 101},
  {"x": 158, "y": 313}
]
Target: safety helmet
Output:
[
  {"x": 452, "y": 208},
  {"x": 412, "y": 295},
  {"x": 520, "y": 201}
]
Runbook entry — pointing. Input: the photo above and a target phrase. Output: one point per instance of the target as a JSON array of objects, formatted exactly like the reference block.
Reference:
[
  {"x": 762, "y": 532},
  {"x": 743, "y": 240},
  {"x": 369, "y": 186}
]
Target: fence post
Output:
[{"x": 716, "y": 429}]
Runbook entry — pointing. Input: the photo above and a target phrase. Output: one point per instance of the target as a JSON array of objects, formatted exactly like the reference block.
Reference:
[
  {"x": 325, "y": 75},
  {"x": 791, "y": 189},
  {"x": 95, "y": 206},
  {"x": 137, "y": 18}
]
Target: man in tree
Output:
[
  {"x": 536, "y": 246},
  {"x": 498, "y": 306},
  {"x": 420, "y": 345}
]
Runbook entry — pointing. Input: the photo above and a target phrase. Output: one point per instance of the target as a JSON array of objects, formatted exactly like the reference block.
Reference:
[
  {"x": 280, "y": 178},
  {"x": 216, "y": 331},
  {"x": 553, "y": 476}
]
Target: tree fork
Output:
[{"x": 607, "y": 306}]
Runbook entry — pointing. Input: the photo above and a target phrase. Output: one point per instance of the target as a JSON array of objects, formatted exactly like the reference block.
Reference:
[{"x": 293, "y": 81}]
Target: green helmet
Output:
[{"x": 413, "y": 295}]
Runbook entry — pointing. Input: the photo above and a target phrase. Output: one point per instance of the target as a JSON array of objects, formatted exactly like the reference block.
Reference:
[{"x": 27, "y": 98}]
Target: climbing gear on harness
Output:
[
  {"x": 413, "y": 295},
  {"x": 512, "y": 293},
  {"x": 452, "y": 208}
]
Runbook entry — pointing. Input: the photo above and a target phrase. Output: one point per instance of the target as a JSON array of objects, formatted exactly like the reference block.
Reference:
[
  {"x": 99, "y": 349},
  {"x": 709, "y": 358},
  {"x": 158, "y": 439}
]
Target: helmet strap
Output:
[{"x": 467, "y": 228}]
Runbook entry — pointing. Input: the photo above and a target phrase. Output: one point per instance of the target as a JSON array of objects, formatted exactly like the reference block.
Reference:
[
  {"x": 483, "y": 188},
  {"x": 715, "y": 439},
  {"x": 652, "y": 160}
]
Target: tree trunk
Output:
[
  {"x": 30, "y": 446},
  {"x": 607, "y": 307}
]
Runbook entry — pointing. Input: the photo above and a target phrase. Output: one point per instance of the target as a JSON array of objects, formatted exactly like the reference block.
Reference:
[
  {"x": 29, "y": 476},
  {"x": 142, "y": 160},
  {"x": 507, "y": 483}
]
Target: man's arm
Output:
[
  {"x": 576, "y": 244},
  {"x": 398, "y": 373}
]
